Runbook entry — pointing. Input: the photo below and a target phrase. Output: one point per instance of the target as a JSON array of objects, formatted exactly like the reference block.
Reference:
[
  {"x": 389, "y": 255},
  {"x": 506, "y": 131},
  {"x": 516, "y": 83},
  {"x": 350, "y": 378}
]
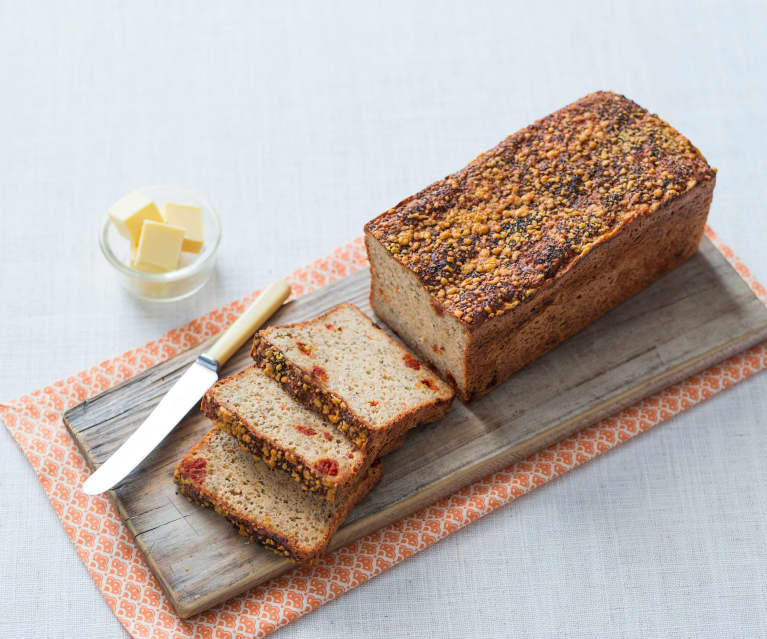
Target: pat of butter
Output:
[
  {"x": 147, "y": 268},
  {"x": 159, "y": 247},
  {"x": 188, "y": 218},
  {"x": 129, "y": 213}
]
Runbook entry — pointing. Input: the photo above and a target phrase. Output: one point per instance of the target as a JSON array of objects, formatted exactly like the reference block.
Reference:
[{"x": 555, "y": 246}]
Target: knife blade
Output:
[{"x": 186, "y": 392}]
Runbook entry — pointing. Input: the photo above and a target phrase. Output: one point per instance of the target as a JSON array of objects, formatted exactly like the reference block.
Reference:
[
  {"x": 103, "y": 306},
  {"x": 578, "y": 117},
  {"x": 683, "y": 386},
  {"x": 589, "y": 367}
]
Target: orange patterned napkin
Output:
[{"x": 119, "y": 569}]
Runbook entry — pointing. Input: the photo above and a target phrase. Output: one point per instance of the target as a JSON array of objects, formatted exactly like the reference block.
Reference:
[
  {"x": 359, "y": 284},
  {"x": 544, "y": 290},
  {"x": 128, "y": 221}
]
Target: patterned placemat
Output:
[{"x": 118, "y": 567}]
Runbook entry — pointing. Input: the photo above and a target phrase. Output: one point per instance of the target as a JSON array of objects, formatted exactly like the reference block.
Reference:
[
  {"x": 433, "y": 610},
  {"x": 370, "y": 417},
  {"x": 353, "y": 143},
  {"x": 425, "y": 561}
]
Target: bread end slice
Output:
[{"x": 261, "y": 503}]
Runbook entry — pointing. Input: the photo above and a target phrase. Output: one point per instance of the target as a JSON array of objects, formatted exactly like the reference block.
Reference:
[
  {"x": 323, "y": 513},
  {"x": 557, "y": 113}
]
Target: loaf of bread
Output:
[
  {"x": 262, "y": 503},
  {"x": 489, "y": 268},
  {"x": 273, "y": 426},
  {"x": 343, "y": 367}
]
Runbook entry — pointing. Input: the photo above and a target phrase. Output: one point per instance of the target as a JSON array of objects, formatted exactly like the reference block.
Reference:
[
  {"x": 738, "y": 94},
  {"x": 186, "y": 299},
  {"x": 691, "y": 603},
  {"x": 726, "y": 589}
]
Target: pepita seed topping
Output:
[{"x": 485, "y": 239}]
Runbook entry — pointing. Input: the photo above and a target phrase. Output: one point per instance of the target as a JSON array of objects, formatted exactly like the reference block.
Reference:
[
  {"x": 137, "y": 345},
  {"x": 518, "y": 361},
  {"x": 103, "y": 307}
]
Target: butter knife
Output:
[{"x": 186, "y": 392}]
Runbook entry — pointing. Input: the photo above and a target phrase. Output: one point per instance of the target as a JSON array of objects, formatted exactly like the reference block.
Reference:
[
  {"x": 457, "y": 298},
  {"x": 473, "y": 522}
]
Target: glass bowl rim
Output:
[{"x": 170, "y": 276}]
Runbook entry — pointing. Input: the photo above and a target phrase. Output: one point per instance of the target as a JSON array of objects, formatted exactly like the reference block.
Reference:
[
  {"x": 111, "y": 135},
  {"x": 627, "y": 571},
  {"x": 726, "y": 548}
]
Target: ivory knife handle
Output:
[{"x": 265, "y": 305}]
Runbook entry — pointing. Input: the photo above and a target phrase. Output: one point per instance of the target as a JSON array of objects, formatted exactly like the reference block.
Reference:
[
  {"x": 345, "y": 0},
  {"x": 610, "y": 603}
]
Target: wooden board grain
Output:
[{"x": 691, "y": 318}]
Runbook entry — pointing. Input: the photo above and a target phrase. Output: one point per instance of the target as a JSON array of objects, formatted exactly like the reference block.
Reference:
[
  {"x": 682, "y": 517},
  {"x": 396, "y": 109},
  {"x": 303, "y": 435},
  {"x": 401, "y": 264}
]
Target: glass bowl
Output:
[{"x": 195, "y": 269}]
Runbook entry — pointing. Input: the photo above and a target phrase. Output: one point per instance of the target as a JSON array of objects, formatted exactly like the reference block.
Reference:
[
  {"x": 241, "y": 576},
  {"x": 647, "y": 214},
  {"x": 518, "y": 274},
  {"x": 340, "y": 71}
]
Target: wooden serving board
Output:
[{"x": 699, "y": 314}]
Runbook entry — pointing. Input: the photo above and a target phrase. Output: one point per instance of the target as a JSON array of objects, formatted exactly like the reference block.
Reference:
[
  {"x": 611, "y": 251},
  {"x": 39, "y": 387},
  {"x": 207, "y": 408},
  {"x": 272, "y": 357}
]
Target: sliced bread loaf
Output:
[
  {"x": 344, "y": 367},
  {"x": 259, "y": 502},
  {"x": 270, "y": 424}
]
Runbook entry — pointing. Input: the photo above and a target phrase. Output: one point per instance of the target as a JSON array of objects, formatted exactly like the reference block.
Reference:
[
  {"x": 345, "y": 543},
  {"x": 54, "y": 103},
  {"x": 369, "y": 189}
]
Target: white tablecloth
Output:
[{"x": 302, "y": 121}]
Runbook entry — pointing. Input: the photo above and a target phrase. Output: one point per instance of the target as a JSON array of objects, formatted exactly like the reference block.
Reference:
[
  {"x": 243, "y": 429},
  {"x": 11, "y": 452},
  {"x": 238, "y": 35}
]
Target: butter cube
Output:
[
  {"x": 159, "y": 247},
  {"x": 188, "y": 218},
  {"x": 129, "y": 213},
  {"x": 147, "y": 268}
]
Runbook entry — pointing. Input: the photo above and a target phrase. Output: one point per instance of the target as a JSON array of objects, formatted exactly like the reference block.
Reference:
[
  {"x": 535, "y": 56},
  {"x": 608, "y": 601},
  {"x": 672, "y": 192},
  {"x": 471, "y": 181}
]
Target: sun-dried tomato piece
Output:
[
  {"x": 373, "y": 403},
  {"x": 327, "y": 467},
  {"x": 411, "y": 362},
  {"x": 306, "y": 350},
  {"x": 437, "y": 307},
  {"x": 195, "y": 469},
  {"x": 327, "y": 435},
  {"x": 305, "y": 429},
  {"x": 429, "y": 384},
  {"x": 320, "y": 373}
]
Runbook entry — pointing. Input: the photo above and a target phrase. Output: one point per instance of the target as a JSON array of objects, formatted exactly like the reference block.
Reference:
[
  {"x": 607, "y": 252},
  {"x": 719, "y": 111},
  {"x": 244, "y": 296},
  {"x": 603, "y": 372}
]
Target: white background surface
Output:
[{"x": 301, "y": 122}]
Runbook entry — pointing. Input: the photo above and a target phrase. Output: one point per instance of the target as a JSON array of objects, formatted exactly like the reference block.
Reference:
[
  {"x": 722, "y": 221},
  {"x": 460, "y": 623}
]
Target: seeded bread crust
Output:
[
  {"x": 484, "y": 271},
  {"x": 305, "y": 386},
  {"x": 257, "y": 531},
  {"x": 228, "y": 418}
]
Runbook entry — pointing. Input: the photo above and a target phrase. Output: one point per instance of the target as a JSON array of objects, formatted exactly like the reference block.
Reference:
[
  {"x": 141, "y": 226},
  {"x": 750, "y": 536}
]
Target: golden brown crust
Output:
[
  {"x": 625, "y": 263},
  {"x": 613, "y": 272},
  {"x": 275, "y": 541},
  {"x": 484, "y": 240}
]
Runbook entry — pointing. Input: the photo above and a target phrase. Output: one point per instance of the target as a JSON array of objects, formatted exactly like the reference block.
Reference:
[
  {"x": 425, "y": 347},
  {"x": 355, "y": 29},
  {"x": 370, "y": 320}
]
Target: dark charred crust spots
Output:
[
  {"x": 411, "y": 362},
  {"x": 194, "y": 469},
  {"x": 485, "y": 239}
]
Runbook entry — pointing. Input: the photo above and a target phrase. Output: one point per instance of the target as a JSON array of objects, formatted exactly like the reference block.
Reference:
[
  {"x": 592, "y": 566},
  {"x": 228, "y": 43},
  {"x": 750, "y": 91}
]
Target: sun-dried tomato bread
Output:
[
  {"x": 345, "y": 368},
  {"x": 261, "y": 502},
  {"x": 271, "y": 425},
  {"x": 487, "y": 269}
]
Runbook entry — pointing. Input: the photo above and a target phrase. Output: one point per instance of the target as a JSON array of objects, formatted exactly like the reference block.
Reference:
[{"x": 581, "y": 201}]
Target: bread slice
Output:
[
  {"x": 344, "y": 367},
  {"x": 259, "y": 501},
  {"x": 271, "y": 425}
]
